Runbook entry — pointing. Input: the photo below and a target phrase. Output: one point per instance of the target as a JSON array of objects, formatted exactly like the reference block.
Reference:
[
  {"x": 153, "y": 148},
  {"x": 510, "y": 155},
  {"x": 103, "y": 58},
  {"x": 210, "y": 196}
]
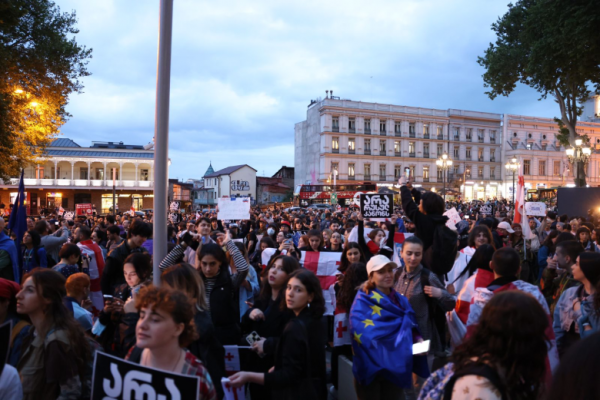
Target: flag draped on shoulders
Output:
[
  {"x": 382, "y": 339},
  {"x": 96, "y": 266}
]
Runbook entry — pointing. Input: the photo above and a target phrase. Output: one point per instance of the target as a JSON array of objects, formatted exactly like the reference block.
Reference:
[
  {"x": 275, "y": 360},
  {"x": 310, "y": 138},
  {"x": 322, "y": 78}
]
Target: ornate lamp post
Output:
[
  {"x": 444, "y": 163},
  {"x": 513, "y": 166},
  {"x": 579, "y": 156}
]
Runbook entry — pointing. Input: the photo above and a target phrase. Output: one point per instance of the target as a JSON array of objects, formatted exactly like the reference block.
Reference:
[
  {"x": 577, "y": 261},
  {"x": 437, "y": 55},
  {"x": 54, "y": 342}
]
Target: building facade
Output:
[
  {"x": 234, "y": 181},
  {"x": 71, "y": 174},
  {"x": 272, "y": 190},
  {"x": 377, "y": 142}
]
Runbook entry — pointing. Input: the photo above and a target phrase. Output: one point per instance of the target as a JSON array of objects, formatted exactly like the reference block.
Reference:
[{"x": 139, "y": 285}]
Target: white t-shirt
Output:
[{"x": 10, "y": 384}]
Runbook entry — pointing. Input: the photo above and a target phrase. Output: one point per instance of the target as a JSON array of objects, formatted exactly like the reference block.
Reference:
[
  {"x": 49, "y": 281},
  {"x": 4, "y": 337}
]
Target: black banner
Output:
[
  {"x": 487, "y": 209},
  {"x": 115, "y": 378},
  {"x": 377, "y": 205}
]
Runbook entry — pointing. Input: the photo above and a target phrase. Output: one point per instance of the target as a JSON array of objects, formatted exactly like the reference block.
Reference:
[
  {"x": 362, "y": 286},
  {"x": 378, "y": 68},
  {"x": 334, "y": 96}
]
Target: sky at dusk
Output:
[{"x": 244, "y": 72}]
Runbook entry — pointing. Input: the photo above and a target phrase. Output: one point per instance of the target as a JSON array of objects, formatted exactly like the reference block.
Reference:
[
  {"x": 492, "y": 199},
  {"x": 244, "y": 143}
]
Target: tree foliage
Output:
[
  {"x": 552, "y": 46},
  {"x": 41, "y": 64}
]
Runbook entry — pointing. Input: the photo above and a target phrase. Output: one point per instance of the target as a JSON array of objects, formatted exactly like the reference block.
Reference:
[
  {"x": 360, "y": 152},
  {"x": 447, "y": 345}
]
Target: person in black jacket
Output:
[
  {"x": 112, "y": 275},
  {"x": 299, "y": 371},
  {"x": 268, "y": 318},
  {"x": 222, "y": 286},
  {"x": 183, "y": 277}
]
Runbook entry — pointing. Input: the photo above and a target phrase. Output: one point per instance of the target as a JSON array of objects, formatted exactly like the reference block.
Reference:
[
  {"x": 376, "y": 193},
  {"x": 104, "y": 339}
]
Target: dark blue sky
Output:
[{"x": 243, "y": 72}]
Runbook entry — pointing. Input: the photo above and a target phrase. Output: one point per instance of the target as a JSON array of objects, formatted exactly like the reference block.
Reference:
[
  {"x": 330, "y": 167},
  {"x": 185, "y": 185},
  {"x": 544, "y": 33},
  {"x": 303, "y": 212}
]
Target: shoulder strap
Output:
[
  {"x": 16, "y": 330},
  {"x": 478, "y": 369}
]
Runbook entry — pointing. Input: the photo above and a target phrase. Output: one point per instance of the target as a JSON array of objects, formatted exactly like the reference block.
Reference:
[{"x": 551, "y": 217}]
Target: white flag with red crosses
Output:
[
  {"x": 341, "y": 331},
  {"x": 232, "y": 359}
]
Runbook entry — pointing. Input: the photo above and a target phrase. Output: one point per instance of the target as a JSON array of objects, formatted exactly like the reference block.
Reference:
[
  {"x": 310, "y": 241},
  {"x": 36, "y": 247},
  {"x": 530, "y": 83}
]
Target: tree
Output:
[
  {"x": 554, "y": 47},
  {"x": 40, "y": 66}
]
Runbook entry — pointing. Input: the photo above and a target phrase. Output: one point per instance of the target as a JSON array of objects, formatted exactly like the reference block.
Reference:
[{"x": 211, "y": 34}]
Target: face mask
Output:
[{"x": 270, "y": 231}]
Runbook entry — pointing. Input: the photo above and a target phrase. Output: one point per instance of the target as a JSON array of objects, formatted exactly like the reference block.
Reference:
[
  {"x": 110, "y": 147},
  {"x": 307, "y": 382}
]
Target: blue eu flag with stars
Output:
[{"x": 382, "y": 339}]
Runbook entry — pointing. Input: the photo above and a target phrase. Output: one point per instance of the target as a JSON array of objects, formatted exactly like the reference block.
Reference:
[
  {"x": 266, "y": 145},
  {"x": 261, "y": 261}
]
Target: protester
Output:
[
  {"x": 299, "y": 371},
  {"x": 165, "y": 328},
  {"x": 555, "y": 283},
  {"x": 9, "y": 257},
  {"x": 78, "y": 299},
  {"x": 69, "y": 256},
  {"x": 93, "y": 261},
  {"x": 52, "y": 242},
  {"x": 34, "y": 255},
  {"x": 505, "y": 357},
  {"x": 114, "y": 237},
  {"x": 377, "y": 244},
  {"x": 546, "y": 251},
  {"x": 8, "y": 312},
  {"x": 480, "y": 235},
  {"x": 56, "y": 351}
]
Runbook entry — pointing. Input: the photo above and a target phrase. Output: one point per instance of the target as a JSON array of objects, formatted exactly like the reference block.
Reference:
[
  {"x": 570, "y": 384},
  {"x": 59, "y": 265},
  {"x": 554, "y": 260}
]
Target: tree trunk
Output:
[{"x": 569, "y": 119}]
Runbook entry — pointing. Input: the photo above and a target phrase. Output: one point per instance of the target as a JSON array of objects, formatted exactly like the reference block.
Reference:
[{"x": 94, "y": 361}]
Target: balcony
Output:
[
  {"x": 425, "y": 179},
  {"x": 480, "y": 159},
  {"x": 335, "y": 150},
  {"x": 352, "y": 130},
  {"x": 480, "y": 140},
  {"x": 367, "y": 131},
  {"x": 492, "y": 140},
  {"x": 426, "y": 136},
  {"x": 382, "y": 178},
  {"x": 368, "y": 152},
  {"x": 456, "y": 138},
  {"x": 398, "y": 154},
  {"x": 492, "y": 159},
  {"x": 397, "y": 133},
  {"x": 382, "y": 152},
  {"x": 382, "y": 133},
  {"x": 426, "y": 155},
  {"x": 492, "y": 176},
  {"x": 181, "y": 197},
  {"x": 335, "y": 129},
  {"x": 351, "y": 151},
  {"x": 440, "y": 137},
  {"x": 95, "y": 183},
  {"x": 367, "y": 177},
  {"x": 440, "y": 179},
  {"x": 469, "y": 138},
  {"x": 412, "y": 155},
  {"x": 411, "y": 134},
  {"x": 351, "y": 177}
]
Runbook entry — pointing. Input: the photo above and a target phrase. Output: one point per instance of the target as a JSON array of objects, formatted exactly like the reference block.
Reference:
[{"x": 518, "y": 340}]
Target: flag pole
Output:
[{"x": 161, "y": 135}]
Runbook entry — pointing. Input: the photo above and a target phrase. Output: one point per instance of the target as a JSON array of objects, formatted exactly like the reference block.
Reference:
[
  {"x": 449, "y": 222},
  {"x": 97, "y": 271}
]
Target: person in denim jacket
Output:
[{"x": 576, "y": 303}]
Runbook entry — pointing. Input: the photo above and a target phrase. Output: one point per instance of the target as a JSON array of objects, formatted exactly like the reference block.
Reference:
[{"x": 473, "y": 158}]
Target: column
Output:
[
  {"x": 89, "y": 174},
  {"x": 120, "y": 171},
  {"x": 151, "y": 174},
  {"x": 55, "y": 172},
  {"x": 72, "y": 172},
  {"x": 136, "y": 174},
  {"x": 104, "y": 175}
]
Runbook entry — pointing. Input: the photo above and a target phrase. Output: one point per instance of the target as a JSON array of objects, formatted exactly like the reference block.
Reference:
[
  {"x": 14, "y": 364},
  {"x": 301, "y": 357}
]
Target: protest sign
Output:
[
  {"x": 487, "y": 209},
  {"x": 234, "y": 208},
  {"x": 377, "y": 206},
  {"x": 68, "y": 215},
  {"x": 83, "y": 209},
  {"x": 535, "y": 209},
  {"x": 174, "y": 206},
  {"x": 453, "y": 217},
  {"x": 114, "y": 378}
]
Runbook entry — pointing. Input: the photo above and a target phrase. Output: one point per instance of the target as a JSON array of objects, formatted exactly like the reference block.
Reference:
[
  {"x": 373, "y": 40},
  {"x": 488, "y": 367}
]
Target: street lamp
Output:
[
  {"x": 444, "y": 163},
  {"x": 513, "y": 166},
  {"x": 578, "y": 156}
]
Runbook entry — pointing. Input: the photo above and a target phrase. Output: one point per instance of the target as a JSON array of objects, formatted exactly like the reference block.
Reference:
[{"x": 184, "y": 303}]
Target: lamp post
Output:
[
  {"x": 579, "y": 156},
  {"x": 444, "y": 163},
  {"x": 513, "y": 165}
]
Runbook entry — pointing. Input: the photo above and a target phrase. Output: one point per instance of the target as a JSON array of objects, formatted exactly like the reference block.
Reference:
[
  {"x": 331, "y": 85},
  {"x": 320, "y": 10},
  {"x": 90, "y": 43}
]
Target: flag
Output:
[
  {"x": 232, "y": 393},
  {"x": 232, "y": 359},
  {"x": 132, "y": 211},
  {"x": 399, "y": 238},
  {"x": 520, "y": 215},
  {"x": 341, "y": 330},
  {"x": 61, "y": 211},
  {"x": 382, "y": 339},
  {"x": 18, "y": 224},
  {"x": 93, "y": 254}
]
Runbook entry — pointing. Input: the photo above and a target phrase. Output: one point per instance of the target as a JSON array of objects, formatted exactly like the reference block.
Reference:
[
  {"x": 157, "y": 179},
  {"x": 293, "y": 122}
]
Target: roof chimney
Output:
[
  {"x": 331, "y": 94},
  {"x": 327, "y": 94}
]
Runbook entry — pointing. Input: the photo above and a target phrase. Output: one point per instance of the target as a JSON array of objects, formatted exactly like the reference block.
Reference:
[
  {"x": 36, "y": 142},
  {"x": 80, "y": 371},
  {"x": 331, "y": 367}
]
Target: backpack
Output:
[{"x": 440, "y": 256}]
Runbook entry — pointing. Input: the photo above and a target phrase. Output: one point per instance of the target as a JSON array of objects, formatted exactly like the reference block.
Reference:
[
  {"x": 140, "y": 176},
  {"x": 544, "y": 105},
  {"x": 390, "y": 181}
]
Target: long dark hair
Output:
[
  {"x": 481, "y": 259},
  {"x": 548, "y": 241},
  {"x": 217, "y": 252},
  {"x": 344, "y": 263},
  {"x": 313, "y": 286},
  {"x": 511, "y": 335},
  {"x": 50, "y": 285},
  {"x": 355, "y": 275},
  {"x": 476, "y": 231},
  {"x": 288, "y": 265},
  {"x": 141, "y": 264}
]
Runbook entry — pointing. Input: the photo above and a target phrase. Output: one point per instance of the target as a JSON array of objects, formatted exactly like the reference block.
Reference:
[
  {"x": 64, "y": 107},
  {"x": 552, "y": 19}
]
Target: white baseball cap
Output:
[
  {"x": 377, "y": 262},
  {"x": 506, "y": 225}
]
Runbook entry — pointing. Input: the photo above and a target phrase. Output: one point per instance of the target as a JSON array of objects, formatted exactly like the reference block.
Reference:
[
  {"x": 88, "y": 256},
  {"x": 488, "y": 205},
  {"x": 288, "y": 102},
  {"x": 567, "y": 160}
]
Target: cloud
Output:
[{"x": 244, "y": 72}]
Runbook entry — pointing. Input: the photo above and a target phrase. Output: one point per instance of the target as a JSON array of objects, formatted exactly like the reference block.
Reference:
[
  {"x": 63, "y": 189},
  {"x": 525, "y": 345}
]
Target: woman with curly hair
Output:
[
  {"x": 163, "y": 332},
  {"x": 505, "y": 358}
]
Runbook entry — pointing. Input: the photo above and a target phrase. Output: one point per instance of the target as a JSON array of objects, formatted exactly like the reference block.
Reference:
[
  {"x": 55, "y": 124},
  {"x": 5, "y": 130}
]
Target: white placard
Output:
[
  {"x": 68, "y": 215},
  {"x": 453, "y": 217},
  {"x": 535, "y": 209},
  {"x": 234, "y": 208}
]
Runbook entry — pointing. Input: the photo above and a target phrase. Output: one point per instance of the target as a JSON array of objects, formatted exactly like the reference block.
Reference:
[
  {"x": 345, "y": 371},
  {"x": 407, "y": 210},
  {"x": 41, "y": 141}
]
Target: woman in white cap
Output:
[{"x": 383, "y": 328}]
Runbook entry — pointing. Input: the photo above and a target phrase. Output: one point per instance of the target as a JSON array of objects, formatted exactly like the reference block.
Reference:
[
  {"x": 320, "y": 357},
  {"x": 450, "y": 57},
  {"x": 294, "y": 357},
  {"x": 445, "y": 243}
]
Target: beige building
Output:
[{"x": 234, "y": 181}]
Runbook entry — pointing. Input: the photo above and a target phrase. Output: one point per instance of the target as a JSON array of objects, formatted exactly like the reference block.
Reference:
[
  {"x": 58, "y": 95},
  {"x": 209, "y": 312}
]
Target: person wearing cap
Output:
[
  {"x": 568, "y": 324},
  {"x": 500, "y": 235},
  {"x": 285, "y": 227},
  {"x": 383, "y": 328}
]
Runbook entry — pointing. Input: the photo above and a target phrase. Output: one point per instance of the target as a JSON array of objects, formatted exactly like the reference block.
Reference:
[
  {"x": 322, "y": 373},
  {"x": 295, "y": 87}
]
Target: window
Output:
[
  {"x": 367, "y": 126},
  {"x": 493, "y": 155},
  {"x": 468, "y": 153},
  {"x": 457, "y": 134},
  {"x": 351, "y": 125},
  {"x": 480, "y": 135},
  {"x": 426, "y": 131},
  {"x": 382, "y": 147},
  {"x": 492, "y": 172},
  {"x": 411, "y": 129},
  {"x": 426, "y": 150},
  {"x": 397, "y": 127},
  {"x": 382, "y": 172},
  {"x": 440, "y": 175},
  {"x": 335, "y": 124},
  {"x": 83, "y": 173},
  {"x": 397, "y": 171},
  {"x": 335, "y": 144},
  {"x": 526, "y": 167},
  {"x": 351, "y": 145},
  {"x": 426, "y": 174},
  {"x": 480, "y": 172},
  {"x": 440, "y": 149},
  {"x": 542, "y": 168},
  {"x": 468, "y": 172},
  {"x": 556, "y": 171},
  {"x": 382, "y": 129},
  {"x": 351, "y": 170},
  {"x": 469, "y": 133},
  {"x": 480, "y": 154},
  {"x": 367, "y": 146},
  {"x": 456, "y": 152},
  {"x": 411, "y": 149},
  {"x": 529, "y": 146},
  {"x": 367, "y": 171},
  {"x": 456, "y": 167},
  {"x": 492, "y": 136},
  {"x": 334, "y": 166},
  {"x": 440, "y": 132},
  {"x": 412, "y": 170},
  {"x": 397, "y": 147}
]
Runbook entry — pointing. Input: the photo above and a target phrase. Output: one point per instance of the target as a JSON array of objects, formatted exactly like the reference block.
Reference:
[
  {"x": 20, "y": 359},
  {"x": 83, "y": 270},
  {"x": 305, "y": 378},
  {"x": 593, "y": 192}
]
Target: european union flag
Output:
[
  {"x": 18, "y": 224},
  {"x": 382, "y": 339}
]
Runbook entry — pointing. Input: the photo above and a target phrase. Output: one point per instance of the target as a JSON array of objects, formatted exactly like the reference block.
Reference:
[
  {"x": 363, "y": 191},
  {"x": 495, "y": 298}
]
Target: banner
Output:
[
  {"x": 68, "y": 215},
  {"x": 487, "y": 209},
  {"x": 453, "y": 218},
  {"x": 234, "y": 208},
  {"x": 114, "y": 378},
  {"x": 83, "y": 209},
  {"x": 535, "y": 209},
  {"x": 377, "y": 206}
]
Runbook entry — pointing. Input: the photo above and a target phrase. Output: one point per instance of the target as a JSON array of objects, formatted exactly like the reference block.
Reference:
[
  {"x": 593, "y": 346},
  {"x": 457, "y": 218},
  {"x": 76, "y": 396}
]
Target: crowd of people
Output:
[{"x": 482, "y": 309}]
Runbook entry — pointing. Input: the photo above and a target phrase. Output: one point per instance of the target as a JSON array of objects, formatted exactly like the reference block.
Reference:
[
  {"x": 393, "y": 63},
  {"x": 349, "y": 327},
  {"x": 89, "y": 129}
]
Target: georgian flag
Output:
[
  {"x": 232, "y": 393},
  {"x": 341, "y": 329},
  {"x": 61, "y": 211},
  {"x": 520, "y": 215},
  {"x": 399, "y": 238},
  {"x": 232, "y": 359}
]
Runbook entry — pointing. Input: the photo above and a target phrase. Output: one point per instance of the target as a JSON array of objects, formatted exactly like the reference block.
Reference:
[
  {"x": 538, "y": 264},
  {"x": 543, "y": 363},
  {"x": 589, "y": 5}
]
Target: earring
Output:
[{"x": 308, "y": 305}]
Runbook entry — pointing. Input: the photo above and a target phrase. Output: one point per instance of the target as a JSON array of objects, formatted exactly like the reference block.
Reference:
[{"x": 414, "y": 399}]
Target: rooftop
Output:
[
  {"x": 227, "y": 171},
  {"x": 67, "y": 147}
]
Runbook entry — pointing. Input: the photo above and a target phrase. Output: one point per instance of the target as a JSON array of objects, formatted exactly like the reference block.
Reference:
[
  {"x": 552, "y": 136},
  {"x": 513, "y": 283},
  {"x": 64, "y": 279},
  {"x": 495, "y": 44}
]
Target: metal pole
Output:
[
  {"x": 114, "y": 191},
  {"x": 444, "y": 184},
  {"x": 161, "y": 135},
  {"x": 513, "y": 187}
]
